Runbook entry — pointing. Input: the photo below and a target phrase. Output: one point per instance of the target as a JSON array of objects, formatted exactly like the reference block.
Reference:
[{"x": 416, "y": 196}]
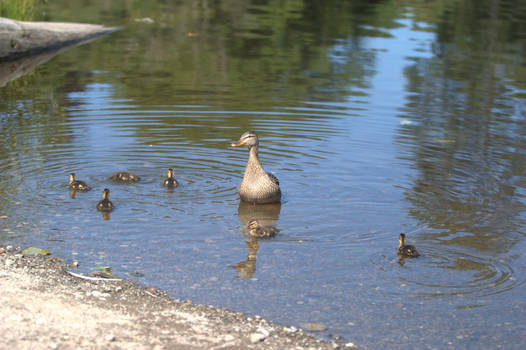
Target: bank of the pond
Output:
[{"x": 43, "y": 307}]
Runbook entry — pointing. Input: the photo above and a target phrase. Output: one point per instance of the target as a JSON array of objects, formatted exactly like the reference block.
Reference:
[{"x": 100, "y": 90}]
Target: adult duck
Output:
[{"x": 258, "y": 186}]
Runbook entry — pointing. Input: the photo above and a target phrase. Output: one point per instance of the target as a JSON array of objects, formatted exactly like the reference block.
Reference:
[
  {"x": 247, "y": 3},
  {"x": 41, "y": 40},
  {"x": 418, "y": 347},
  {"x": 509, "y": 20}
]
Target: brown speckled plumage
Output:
[
  {"x": 256, "y": 230},
  {"x": 405, "y": 250},
  {"x": 77, "y": 185},
  {"x": 124, "y": 176},
  {"x": 105, "y": 204},
  {"x": 170, "y": 181},
  {"x": 257, "y": 187}
]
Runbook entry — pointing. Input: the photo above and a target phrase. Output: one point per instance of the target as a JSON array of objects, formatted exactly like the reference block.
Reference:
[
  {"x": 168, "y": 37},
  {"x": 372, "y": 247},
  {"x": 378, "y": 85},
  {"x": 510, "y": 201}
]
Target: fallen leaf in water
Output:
[{"x": 31, "y": 251}]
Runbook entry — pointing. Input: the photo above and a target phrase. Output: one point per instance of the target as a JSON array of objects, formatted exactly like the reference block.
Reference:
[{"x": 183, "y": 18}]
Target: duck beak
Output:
[{"x": 238, "y": 143}]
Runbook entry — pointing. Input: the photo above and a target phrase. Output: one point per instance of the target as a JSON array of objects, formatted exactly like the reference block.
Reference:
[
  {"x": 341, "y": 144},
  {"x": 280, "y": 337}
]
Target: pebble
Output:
[
  {"x": 110, "y": 337},
  {"x": 98, "y": 294},
  {"x": 263, "y": 331},
  {"x": 290, "y": 329},
  {"x": 257, "y": 337},
  {"x": 313, "y": 326}
]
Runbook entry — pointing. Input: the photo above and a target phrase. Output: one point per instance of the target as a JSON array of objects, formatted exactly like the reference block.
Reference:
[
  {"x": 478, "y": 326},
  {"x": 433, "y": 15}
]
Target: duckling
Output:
[
  {"x": 257, "y": 186},
  {"x": 256, "y": 230},
  {"x": 406, "y": 251},
  {"x": 170, "y": 181},
  {"x": 105, "y": 204},
  {"x": 124, "y": 176},
  {"x": 77, "y": 185}
]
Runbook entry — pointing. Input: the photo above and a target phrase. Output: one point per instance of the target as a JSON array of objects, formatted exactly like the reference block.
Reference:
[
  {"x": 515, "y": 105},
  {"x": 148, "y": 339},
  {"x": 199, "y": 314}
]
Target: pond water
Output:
[{"x": 377, "y": 118}]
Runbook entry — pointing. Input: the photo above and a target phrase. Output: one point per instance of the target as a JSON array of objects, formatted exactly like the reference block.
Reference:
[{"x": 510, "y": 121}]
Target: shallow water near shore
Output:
[{"x": 376, "y": 118}]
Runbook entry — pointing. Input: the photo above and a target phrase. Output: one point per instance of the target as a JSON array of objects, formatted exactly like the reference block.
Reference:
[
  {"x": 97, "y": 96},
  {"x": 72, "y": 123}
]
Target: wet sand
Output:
[{"x": 43, "y": 307}]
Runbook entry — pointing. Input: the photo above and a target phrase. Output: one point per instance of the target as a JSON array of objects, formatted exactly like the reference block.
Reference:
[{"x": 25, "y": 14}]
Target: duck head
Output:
[{"x": 249, "y": 138}]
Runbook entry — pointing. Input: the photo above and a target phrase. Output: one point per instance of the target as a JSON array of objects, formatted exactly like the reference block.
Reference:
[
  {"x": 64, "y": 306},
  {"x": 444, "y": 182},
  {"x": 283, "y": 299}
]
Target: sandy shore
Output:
[{"x": 43, "y": 307}]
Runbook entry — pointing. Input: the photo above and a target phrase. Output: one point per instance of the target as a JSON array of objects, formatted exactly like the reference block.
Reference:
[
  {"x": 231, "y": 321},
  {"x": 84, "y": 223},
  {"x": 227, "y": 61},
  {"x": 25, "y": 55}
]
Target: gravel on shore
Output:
[{"x": 44, "y": 307}]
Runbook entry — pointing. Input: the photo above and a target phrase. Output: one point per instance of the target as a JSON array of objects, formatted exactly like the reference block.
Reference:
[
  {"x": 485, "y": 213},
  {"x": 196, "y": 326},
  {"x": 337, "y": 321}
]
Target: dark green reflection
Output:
[{"x": 235, "y": 54}]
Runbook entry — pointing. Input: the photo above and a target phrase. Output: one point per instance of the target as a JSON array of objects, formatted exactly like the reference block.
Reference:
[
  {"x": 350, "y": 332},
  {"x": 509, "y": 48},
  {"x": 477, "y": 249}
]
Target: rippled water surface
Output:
[{"x": 376, "y": 118}]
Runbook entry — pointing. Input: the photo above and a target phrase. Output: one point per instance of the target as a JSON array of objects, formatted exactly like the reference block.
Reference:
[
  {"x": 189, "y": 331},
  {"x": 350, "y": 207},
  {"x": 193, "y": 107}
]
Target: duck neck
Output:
[{"x": 253, "y": 164}]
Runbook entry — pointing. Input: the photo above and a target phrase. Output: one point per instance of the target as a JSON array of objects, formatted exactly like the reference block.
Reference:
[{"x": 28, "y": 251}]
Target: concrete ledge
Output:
[{"x": 19, "y": 39}]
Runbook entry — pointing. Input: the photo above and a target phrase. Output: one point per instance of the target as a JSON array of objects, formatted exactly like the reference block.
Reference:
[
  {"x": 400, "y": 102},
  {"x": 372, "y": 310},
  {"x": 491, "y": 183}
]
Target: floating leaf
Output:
[
  {"x": 103, "y": 274},
  {"x": 32, "y": 251},
  {"x": 103, "y": 268}
]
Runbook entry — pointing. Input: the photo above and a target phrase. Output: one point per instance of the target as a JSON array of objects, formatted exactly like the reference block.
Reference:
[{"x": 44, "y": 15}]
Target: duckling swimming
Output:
[
  {"x": 105, "y": 204},
  {"x": 405, "y": 250},
  {"x": 257, "y": 187},
  {"x": 77, "y": 185},
  {"x": 170, "y": 181},
  {"x": 124, "y": 176},
  {"x": 256, "y": 230}
]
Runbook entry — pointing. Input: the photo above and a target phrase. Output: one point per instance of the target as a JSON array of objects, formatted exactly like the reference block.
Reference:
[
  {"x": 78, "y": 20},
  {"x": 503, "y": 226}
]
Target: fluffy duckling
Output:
[
  {"x": 170, "y": 181},
  {"x": 77, "y": 185},
  {"x": 256, "y": 230},
  {"x": 105, "y": 204},
  {"x": 405, "y": 250},
  {"x": 124, "y": 176}
]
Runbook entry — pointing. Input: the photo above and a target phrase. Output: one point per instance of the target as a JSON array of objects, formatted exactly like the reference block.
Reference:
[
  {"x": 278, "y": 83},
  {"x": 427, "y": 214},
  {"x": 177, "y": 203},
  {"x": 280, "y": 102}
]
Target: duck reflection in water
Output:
[{"x": 258, "y": 223}]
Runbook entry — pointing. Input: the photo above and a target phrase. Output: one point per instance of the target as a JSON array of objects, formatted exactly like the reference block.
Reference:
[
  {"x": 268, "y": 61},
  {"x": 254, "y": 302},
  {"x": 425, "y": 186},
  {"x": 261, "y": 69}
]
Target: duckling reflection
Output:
[
  {"x": 247, "y": 268},
  {"x": 124, "y": 176},
  {"x": 405, "y": 250},
  {"x": 258, "y": 223},
  {"x": 106, "y": 215},
  {"x": 72, "y": 193}
]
